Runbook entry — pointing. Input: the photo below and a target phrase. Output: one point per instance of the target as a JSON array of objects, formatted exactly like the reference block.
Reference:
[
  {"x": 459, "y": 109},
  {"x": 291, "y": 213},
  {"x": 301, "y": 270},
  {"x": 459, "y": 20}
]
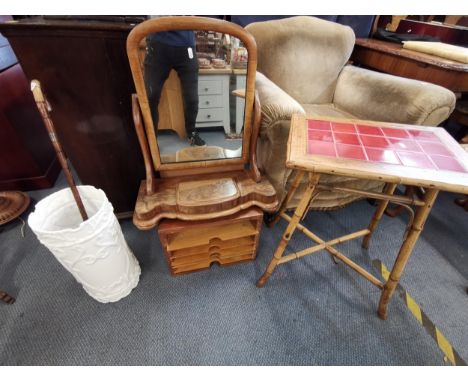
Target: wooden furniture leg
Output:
[
  {"x": 381, "y": 207},
  {"x": 298, "y": 213},
  {"x": 422, "y": 213},
  {"x": 395, "y": 211},
  {"x": 290, "y": 194},
  {"x": 5, "y": 297}
]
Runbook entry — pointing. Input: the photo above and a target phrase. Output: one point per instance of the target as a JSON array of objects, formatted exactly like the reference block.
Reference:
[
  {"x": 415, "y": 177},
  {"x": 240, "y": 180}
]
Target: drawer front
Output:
[
  {"x": 213, "y": 255},
  {"x": 209, "y": 87},
  {"x": 239, "y": 258},
  {"x": 209, "y": 101},
  {"x": 210, "y": 115},
  {"x": 214, "y": 245},
  {"x": 193, "y": 237}
]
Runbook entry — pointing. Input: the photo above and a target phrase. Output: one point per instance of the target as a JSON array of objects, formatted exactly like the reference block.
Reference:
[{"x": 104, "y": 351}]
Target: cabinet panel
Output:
[
  {"x": 84, "y": 70},
  {"x": 27, "y": 158}
]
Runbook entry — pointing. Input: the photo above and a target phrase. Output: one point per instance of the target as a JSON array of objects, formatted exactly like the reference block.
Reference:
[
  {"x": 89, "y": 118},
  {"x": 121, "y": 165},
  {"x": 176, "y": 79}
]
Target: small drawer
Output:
[
  {"x": 210, "y": 115},
  {"x": 214, "y": 259},
  {"x": 193, "y": 237},
  {"x": 209, "y": 101},
  {"x": 213, "y": 255},
  {"x": 214, "y": 245},
  {"x": 209, "y": 87}
]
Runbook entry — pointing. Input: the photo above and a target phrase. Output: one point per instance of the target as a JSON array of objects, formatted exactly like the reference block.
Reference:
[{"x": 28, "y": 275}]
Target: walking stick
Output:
[{"x": 44, "y": 109}]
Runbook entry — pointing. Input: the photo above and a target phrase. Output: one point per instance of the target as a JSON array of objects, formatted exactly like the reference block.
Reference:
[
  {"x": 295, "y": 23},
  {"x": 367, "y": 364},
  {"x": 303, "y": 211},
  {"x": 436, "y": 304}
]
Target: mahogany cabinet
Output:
[
  {"x": 27, "y": 159},
  {"x": 83, "y": 68}
]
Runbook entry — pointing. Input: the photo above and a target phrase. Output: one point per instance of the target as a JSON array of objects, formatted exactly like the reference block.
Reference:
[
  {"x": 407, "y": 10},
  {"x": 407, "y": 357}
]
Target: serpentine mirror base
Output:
[{"x": 208, "y": 197}]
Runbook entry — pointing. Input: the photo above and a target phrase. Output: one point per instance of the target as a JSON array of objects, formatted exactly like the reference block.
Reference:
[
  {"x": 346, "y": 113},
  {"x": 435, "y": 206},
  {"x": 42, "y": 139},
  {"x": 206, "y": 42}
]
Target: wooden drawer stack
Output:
[{"x": 193, "y": 246}]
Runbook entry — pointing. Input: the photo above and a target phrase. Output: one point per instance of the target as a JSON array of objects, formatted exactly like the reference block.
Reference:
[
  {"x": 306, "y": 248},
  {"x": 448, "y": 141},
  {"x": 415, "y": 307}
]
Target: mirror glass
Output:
[{"x": 195, "y": 82}]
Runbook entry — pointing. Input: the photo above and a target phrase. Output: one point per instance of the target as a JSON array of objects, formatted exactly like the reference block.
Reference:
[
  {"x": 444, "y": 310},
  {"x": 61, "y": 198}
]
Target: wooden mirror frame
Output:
[{"x": 167, "y": 23}]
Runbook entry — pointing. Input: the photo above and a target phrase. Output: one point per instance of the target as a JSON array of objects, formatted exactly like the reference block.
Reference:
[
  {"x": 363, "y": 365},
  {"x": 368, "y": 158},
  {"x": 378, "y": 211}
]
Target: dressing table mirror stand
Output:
[{"x": 207, "y": 207}]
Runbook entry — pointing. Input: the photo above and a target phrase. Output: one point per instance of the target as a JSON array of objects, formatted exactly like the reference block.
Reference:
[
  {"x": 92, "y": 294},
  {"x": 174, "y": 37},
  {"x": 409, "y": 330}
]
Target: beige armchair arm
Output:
[
  {"x": 277, "y": 108},
  {"x": 276, "y": 103},
  {"x": 383, "y": 97}
]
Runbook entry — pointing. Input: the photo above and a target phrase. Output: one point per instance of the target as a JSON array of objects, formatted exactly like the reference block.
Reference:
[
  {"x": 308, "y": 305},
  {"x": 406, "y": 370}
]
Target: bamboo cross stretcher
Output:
[
  {"x": 386, "y": 197},
  {"x": 430, "y": 180}
]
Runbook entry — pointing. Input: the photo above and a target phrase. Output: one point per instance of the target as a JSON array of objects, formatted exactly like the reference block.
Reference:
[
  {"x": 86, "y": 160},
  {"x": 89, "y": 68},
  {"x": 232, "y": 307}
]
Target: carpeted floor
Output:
[{"x": 311, "y": 312}]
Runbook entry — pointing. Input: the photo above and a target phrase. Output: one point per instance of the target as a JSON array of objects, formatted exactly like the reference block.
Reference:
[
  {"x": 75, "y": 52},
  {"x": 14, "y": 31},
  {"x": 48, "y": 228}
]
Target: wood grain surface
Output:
[
  {"x": 195, "y": 246},
  {"x": 209, "y": 197},
  {"x": 391, "y": 58},
  {"x": 191, "y": 23}
]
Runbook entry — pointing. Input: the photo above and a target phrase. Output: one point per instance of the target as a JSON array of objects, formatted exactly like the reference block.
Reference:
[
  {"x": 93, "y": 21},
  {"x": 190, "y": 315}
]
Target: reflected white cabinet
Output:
[{"x": 213, "y": 104}]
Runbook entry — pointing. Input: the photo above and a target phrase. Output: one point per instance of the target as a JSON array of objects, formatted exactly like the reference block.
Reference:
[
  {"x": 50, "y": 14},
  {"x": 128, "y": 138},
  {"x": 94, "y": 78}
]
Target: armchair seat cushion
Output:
[{"x": 326, "y": 110}]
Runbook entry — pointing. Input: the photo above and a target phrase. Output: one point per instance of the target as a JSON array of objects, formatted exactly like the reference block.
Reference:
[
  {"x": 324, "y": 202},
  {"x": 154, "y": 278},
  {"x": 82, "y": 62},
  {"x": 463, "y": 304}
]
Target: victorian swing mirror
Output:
[{"x": 197, "y": 119}]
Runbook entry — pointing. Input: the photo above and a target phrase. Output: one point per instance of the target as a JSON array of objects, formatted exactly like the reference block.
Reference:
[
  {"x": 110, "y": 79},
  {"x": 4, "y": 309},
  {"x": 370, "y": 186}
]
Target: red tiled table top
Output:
[{"x": 408, "y": 147}]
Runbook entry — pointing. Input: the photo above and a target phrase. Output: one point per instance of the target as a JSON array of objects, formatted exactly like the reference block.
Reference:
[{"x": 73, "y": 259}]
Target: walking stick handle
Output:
[{"x": 44, "y": 109}]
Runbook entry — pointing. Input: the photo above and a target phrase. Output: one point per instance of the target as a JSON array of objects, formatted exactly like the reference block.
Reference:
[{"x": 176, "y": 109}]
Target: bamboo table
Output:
[{"x": 427, "y": 157}]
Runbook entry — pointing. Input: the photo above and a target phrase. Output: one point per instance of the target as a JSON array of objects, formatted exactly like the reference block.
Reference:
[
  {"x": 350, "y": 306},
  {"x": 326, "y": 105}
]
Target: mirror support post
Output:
[
  {"x": 256, "y": 120},
  {"x": 150, "y": 183}
]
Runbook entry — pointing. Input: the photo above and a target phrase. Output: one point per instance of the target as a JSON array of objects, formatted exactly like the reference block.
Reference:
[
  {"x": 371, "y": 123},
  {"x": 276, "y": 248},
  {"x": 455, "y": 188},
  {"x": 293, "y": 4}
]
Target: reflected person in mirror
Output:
[{"x": 174, "y": 50}]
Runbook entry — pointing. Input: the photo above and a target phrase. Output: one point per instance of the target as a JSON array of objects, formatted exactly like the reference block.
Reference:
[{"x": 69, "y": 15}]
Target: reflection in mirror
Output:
[{"x": 195, "y": 82}]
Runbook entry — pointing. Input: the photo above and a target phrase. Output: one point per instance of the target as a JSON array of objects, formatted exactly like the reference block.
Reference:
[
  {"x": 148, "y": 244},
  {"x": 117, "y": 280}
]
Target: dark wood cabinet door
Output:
[
  {"x": 27, "y": 159},
  {"x": 84, "y": 70}
]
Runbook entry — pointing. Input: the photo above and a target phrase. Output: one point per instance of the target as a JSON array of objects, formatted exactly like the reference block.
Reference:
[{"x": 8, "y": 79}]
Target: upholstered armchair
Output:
[{"x": 302, "y": 68}]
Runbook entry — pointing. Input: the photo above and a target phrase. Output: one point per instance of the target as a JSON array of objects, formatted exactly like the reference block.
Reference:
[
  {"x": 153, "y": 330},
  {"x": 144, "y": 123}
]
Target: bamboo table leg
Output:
[
  {"x": 298, "y": 213},
  {"x": 381, "y": 207},
  {"x": 395, "y": 211},
  {"x": 422, "y": 213},
  {"x": 290, "y": 194}
]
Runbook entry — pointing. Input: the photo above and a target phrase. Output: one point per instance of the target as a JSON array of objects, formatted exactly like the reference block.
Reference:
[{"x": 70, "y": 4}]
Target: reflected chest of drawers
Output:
[
  {"x": 192, "y": 246},
  {"x": 213, "y": 104}
]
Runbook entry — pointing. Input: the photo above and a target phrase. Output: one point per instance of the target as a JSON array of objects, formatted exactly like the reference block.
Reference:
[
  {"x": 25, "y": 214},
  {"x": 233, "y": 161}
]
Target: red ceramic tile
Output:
[
  {"x": 318, "y": 125},
  {"x": 349, "y": 139},
  {"x": 321, "y": 148},
  {"x": 350, "y": 152},
  {"x": 372, "y": 141},
  {"x": 320, "y": 135},
  {"x": 395, "y": 133},
  {"x": 405, "y": 145},
  {"x": 382, "y": 156},
  {"x": 369, "y": 130},
  {"x": 435, "y": 148},
  {"x": 447, "y": 163},
  {"x": 424, "y": 135},
  {"x": 343, "y": 127},
  {"x": 411, "y": 159}
]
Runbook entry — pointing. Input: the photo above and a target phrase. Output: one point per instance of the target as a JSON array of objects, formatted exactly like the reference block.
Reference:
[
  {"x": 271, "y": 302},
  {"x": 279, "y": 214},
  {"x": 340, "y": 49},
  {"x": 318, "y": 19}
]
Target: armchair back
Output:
[{"x": 303, "y": 55}]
